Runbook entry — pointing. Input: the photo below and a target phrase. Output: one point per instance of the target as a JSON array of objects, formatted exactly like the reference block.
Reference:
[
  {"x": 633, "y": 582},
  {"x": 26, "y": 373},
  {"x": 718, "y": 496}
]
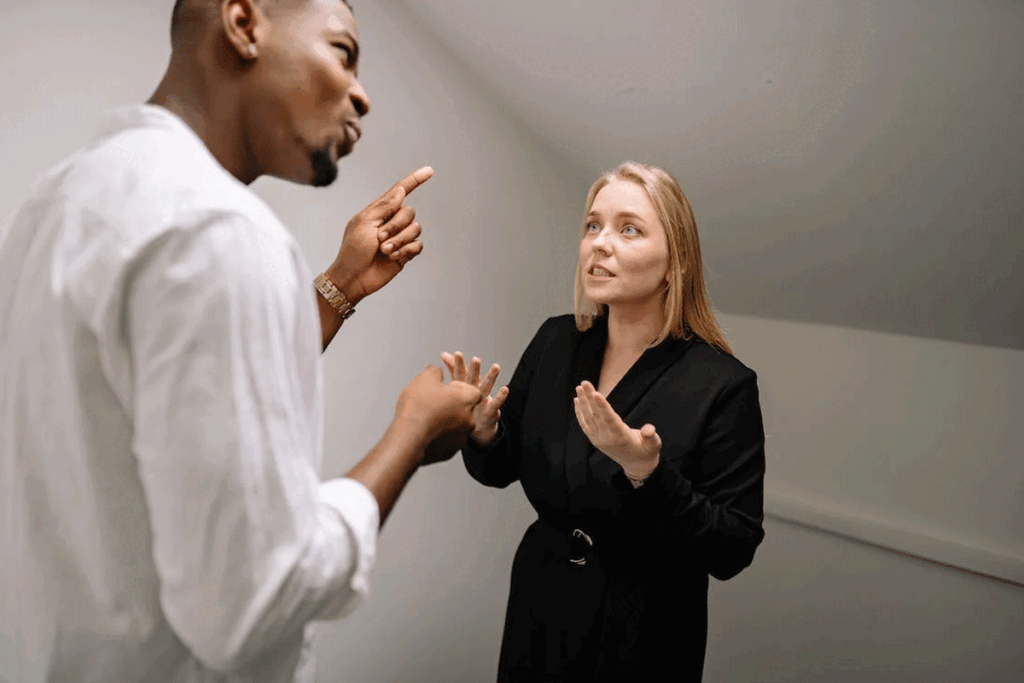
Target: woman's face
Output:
[{"x": 624, "y": 251}]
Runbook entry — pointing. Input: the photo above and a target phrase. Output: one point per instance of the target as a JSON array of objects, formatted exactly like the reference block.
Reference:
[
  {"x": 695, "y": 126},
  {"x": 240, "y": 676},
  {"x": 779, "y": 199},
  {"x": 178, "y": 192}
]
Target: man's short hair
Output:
[
  {"x": 184, "y": 12},
  {"x": 180, "y": 17}
]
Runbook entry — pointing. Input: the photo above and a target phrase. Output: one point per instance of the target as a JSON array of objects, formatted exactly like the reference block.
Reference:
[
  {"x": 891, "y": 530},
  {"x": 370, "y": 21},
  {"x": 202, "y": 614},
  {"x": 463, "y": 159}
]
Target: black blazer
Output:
[{"x": 637, "y": 604}]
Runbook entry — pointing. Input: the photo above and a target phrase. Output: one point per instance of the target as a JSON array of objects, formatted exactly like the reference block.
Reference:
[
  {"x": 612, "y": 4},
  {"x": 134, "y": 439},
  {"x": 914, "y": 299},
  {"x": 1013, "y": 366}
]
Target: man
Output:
[{"x": 161, "y": 398}]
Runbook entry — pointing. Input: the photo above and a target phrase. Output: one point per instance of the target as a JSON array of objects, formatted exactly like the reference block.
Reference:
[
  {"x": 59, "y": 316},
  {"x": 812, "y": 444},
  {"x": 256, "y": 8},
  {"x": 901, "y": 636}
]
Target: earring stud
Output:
[{"x": 251, "y": 50}]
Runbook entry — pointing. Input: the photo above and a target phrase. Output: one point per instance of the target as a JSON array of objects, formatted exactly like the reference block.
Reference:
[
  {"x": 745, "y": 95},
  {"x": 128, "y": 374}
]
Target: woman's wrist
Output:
[
  {"x": 639, "y": 473},
  {"x": 484, "y": 439}
]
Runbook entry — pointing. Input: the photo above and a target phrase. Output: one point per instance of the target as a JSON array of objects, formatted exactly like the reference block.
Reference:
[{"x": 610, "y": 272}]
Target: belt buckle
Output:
[{"x": 579, "y": 544}]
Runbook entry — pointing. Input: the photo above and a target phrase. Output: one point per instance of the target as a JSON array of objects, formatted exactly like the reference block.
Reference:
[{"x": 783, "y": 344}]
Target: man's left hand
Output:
[
  {"x": 379, "y": 241},
  {"x": 444, "y": 448}
]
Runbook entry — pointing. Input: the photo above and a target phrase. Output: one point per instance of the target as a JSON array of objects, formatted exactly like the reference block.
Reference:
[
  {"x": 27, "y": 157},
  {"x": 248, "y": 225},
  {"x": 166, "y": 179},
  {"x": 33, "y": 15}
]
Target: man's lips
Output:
[{"x": 355, "y": 130}]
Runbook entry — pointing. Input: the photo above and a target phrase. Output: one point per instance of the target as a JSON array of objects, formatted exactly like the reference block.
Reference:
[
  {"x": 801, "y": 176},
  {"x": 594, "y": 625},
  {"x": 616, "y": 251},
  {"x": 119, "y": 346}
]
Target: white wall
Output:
[{"x": 892, "y": 440}]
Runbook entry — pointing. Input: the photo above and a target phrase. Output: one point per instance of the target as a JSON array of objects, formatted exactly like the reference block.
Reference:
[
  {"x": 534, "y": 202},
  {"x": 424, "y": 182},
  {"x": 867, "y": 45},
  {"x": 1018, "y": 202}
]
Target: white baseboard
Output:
[{"x": 958, "y": 554}]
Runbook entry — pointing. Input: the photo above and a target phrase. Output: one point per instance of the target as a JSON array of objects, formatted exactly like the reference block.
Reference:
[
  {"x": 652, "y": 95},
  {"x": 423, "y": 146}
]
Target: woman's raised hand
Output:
[
  {"x": 636, "y": 450},
  {"x": 487, "y": 411}
]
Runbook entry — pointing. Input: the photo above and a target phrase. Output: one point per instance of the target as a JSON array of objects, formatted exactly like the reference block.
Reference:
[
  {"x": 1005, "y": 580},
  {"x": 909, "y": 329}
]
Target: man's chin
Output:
[
  {"x": 325, "y": 168},
  {"x": 324, "y": 178}
]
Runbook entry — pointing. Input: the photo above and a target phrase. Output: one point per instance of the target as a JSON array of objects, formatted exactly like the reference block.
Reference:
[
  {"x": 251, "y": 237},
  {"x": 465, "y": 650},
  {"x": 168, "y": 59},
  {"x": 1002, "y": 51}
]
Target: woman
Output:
[{"x": 637, "y": 437}]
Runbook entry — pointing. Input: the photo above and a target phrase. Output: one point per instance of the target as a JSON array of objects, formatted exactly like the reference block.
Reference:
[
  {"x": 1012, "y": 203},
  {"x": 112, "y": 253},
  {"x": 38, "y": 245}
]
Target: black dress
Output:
[{"x": 610, "y": 583}]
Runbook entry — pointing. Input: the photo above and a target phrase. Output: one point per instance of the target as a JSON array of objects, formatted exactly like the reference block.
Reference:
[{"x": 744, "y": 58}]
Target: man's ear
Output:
[{"x": 243, "y": 22}]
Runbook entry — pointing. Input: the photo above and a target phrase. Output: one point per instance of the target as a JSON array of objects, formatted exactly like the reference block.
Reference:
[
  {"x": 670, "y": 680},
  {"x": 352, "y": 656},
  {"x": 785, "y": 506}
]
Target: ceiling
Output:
[{"x": 857, "y": 164}]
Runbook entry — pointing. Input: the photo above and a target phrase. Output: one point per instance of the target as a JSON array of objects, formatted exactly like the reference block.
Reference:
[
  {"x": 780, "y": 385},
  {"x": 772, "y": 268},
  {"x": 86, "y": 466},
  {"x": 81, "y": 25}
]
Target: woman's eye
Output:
[
  {"x": 592, "y": 228},
  {"x": 630, "y": 230}
]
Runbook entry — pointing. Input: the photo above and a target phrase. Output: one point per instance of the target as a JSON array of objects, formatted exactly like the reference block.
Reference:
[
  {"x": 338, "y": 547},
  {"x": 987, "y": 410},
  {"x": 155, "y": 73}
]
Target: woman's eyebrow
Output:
[{"x": 618, "y": 214}]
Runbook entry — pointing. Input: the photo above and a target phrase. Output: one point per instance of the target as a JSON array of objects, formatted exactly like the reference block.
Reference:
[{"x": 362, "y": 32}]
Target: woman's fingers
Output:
[
  {"x": 489, "y": 379},
  {"x": 585, "y": 409},
  {"x": 603, "y": 413},
  {"x": 597, "y": 420},
  {"x": 456, "y": 364},
  {"x": 460, "y": 366},
  {"x": 581, "y": 418},
  {"x": 494, "y": 406},
  {"x": 449, "y": 362},
  {"x": 491, "y": 409},
  {"x": 650, "y": 439},
  {"x": 608, "y": 432}
]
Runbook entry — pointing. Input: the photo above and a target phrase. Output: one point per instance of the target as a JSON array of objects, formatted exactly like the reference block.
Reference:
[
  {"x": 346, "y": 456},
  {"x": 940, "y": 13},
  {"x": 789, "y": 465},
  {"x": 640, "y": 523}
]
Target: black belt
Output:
[
  {"x": 584, "y": 542},
  {"x": 580, "y": 544},
  {"x": 577, "y": 540}
]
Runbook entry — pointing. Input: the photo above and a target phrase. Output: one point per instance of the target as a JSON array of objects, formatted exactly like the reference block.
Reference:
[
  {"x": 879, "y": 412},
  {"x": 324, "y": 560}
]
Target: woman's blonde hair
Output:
[{"x": 687, "y": 308}]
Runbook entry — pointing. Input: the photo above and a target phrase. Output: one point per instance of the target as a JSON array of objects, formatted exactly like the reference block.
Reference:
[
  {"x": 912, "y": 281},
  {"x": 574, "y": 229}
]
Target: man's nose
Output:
[{"x": 359, "y": 98}]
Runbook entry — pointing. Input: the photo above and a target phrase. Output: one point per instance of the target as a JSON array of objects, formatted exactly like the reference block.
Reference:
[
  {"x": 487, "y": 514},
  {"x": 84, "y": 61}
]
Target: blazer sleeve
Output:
[
  {"x": 497, "y": 464},
  {"x": 720, "y": 519}
]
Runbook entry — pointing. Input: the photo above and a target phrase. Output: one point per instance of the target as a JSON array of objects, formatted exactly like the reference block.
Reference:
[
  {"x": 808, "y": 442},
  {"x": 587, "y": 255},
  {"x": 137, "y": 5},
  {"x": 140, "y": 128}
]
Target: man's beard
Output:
[{"x": 325, "y": 170}]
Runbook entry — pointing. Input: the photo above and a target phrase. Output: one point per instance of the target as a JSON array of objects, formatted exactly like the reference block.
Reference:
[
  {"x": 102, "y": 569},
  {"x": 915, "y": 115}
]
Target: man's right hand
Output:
[
  {"x": 438, "y": 409},
  {"x": 379, "y": 241}
]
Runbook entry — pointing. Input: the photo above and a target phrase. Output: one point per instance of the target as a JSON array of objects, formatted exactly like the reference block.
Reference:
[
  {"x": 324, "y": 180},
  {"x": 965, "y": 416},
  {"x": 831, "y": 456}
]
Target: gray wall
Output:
[
  {"x": 894, "y": 493},
  {"x": 851, "y": 163},
  {"x": 816, "y": 607},
  {"x": 878, "y": 444}
]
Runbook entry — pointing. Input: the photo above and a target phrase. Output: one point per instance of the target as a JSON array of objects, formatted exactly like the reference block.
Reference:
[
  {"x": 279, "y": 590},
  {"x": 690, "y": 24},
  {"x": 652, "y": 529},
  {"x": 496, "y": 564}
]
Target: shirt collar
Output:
[
  {"x": 141, "y": 116},
  {"x": 153, "y": 117}
]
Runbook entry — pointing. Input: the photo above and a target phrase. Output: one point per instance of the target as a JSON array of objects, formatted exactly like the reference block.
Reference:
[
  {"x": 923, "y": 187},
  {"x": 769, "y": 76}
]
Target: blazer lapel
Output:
[
  {"x": 625, "y": 397},
  {"x": 643, "y": 373}
]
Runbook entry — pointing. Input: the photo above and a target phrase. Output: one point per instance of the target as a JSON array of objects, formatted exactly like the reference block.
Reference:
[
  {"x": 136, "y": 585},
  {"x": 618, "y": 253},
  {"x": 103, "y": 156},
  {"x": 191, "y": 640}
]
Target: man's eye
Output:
[{"x": 346, "y": 50}]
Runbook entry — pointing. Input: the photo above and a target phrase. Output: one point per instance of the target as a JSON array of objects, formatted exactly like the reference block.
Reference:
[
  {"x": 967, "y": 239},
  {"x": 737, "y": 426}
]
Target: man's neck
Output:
[{"x": 185, "y": 92}]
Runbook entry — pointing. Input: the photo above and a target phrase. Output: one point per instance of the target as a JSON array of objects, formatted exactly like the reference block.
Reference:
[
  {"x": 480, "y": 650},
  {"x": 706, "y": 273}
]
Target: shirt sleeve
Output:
[{"x": 248, "y": 544}]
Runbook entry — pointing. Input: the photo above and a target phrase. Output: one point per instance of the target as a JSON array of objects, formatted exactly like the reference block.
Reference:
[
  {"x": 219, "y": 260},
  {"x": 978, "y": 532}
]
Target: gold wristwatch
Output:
[{"x": 334, "y": 296}]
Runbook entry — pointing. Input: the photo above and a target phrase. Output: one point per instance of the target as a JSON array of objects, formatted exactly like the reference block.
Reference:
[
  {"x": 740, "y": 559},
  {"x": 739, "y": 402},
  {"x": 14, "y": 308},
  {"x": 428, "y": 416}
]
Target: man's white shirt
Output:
[{"x": 161, "y": 427}]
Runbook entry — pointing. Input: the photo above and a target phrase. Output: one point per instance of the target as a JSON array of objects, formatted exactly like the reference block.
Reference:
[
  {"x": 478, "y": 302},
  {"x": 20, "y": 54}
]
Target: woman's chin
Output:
[
  {"x": 598, "y": 294},
  {"x": 602, "y": 300}
]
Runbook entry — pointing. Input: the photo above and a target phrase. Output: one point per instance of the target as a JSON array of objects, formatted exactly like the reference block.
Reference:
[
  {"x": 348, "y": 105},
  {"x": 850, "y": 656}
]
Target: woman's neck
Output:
[{"x": 632, "y": 329}]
